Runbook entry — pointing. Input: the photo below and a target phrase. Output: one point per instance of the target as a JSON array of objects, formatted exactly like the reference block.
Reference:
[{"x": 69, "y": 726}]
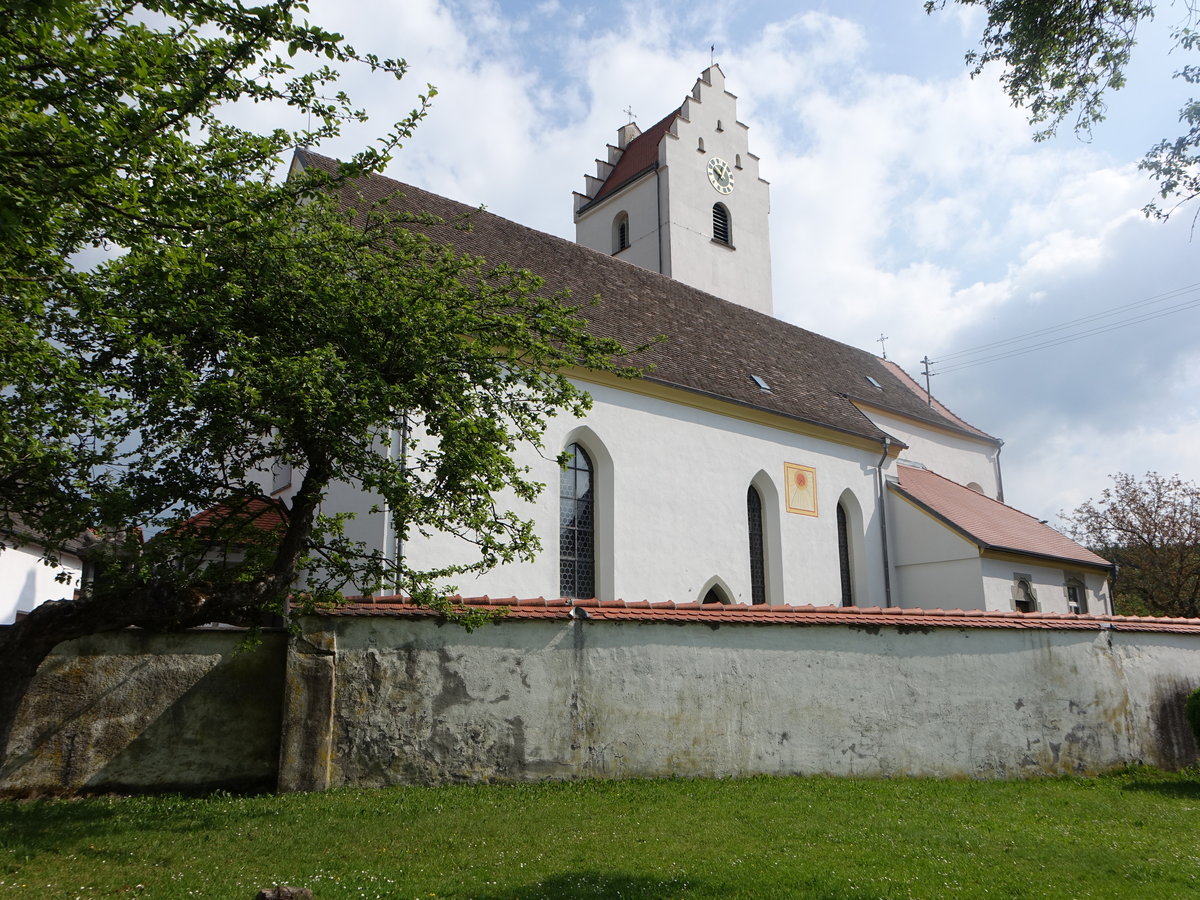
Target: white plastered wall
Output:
[
  {"x": 25, "y": 581},
  {"x": 935, "y": 567},
  {"x": 676, "y": 480},
  {"x": 742, "y": 273},
  {"x": 961, "y": 459},
  {"x": 1048, "y": 580}
]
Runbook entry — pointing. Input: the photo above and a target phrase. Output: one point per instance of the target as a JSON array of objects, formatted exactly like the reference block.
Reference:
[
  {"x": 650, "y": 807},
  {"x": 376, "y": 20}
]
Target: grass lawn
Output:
[{"x": 1128, "y": 835}]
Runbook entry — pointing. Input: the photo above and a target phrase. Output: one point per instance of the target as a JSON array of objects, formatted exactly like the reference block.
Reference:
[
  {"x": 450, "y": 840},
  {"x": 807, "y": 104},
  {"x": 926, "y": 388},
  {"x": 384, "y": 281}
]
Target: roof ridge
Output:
[
  {"x": 811, "y": 375},
  {"x": 915, "y": 387},
  {"x": 919, "y": 468}
]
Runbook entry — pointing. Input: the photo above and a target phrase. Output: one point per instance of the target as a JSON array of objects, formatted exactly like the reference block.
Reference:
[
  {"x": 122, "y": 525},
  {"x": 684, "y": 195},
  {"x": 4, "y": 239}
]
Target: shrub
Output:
[{"x": 1191, "y": 709}]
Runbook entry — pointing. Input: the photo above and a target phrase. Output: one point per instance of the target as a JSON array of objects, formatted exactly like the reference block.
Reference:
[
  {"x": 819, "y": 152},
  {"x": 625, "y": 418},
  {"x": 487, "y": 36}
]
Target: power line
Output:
[
  {"x": 995, "y": 351},
  {"x": 1077, "y": 337}
]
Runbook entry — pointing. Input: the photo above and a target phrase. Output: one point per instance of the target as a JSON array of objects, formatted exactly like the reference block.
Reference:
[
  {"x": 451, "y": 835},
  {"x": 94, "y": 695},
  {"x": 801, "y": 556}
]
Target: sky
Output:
[{"x": 907, "y": 199}]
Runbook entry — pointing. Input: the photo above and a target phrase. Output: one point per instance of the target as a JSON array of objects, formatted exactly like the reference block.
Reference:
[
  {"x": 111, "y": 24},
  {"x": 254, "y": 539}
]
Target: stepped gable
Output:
[
  {"x": 638, "y": 157},
  {"x": 989, "y": 523},
  {"x": 713, "y": 347}
]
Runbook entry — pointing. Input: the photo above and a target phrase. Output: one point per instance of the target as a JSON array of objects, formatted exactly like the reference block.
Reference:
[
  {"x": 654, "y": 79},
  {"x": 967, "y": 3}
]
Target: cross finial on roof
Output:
[
  {"x": 712, "y": 55},
  {"x": 882, "y": 337},
  {"x": 629, "y": 112}
]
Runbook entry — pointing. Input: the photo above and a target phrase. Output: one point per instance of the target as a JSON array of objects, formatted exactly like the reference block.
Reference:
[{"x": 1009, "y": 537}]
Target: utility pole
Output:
[{"x": 927, "y": 362}]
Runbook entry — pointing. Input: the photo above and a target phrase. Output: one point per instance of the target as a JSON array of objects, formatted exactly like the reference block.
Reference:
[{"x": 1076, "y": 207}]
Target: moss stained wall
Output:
[{"x": 134, "y": 711}]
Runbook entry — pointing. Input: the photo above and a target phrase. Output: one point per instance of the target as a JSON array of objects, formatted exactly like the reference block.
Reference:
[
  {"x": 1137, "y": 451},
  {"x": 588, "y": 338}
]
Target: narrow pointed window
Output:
[
  {"x": 758, "y": 577},
  {"x": 843, "y": 534},
  {"x": 621, "y": 232},
  {"x": 721, "y": 230},
  {"x": 577, "y": 528}
]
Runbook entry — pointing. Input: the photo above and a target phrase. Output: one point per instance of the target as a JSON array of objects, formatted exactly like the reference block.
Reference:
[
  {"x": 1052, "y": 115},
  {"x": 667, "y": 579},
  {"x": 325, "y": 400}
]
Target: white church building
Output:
[{"x": 756, "y": 462}]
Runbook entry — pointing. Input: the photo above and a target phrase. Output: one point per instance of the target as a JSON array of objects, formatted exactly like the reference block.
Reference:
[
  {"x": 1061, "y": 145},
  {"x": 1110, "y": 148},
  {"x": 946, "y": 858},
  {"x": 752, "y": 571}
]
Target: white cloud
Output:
[{"x": 907, "y": 198}]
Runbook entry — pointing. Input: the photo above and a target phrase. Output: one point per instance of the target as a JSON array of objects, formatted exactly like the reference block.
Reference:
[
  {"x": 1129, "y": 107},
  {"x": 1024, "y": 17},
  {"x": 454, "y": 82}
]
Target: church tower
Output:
[{"x": 684, "y": 198}]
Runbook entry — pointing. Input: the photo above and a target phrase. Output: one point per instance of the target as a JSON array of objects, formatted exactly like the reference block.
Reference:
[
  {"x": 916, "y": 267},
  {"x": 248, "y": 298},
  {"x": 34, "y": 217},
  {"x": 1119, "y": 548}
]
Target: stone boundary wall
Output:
[
  {"x": 132, "y": 711},
  {"x": 415, "y": 700},
  {"x": 373, "y": 700}
]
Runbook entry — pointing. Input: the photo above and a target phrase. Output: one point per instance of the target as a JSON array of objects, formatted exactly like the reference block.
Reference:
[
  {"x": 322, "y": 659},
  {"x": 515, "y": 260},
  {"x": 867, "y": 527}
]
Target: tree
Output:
[
  {"x": 244, "y": 322},
  {"x": 1062, "y": 58},
  {"x": 1151, "y": 530}
]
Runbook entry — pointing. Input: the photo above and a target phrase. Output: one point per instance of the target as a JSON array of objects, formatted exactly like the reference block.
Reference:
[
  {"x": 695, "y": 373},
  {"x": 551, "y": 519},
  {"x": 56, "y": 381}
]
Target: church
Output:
[{"x": 755, "y": 462}]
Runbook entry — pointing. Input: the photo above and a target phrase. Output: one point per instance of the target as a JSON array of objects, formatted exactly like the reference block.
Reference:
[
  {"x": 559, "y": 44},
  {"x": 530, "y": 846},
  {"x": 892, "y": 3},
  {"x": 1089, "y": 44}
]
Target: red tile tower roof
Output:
[{"x": 639, "y": 156}]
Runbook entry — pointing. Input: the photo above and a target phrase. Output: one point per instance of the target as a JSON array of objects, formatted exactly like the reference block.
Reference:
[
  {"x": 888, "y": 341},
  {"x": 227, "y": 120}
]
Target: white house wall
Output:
[
  {"x": 676, "y": 478},
  {"x": 950, "y": 584},
  {"x": 935, "y": 566},
  {"x": 25, "y": 581},
  {"x": 1048, "y": 581},
  {"x": 960, "y": 459}
]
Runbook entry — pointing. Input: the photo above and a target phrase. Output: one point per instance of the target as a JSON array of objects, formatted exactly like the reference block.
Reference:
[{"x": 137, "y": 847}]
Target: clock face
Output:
[{"x": 720, "y": 175}]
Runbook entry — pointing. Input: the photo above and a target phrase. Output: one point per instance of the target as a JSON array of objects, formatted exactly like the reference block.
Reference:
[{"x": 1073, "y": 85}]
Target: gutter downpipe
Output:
[
  {"x": 658, "y": 200},
  {"x": 999, "y": 477},
  {"x": 887, "y": 566},
  {"x": 400, "y": 530}
]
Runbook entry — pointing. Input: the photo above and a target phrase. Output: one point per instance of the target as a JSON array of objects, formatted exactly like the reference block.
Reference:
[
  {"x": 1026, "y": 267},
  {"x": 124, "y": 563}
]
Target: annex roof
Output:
[
  {"x": 243, "y": 515},
  {"x": 712, "y": 346},
  {"x": 639, "y": 156},
  {"x": 736, "y": 614},
  {"x": 989, "y": 523}
]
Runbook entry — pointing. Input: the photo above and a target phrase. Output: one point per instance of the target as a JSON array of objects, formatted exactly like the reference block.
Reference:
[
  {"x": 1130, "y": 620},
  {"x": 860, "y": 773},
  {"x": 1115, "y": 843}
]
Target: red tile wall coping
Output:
[{"x": 645, "y": 611}]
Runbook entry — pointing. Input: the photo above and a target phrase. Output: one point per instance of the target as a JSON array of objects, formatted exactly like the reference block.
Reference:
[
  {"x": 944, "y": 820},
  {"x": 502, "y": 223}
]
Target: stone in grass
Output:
[{"x": 283, "y": 892}]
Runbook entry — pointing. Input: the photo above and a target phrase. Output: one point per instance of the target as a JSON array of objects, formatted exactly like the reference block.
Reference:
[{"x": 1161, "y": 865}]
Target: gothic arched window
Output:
[
  {"x": 722, "y": 232},
  {"x": 843, "y": 535},
  {"x": 577, "y": 526},
  {"x": 758, "y": 575},
  {"x": 621, "y": 232}
]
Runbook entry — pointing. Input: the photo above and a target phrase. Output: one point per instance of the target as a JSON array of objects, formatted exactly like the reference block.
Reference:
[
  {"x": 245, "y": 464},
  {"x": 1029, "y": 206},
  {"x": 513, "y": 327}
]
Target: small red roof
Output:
[
  {"x": 717, "y": 614},
  {"x": 236, "y": 514},
  {"x": 989, "y": 523},
  {"x": 640, "y": 154}
]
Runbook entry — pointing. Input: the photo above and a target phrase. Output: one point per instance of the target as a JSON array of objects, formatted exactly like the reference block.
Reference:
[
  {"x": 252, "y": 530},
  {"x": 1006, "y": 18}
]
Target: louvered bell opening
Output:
[{"x": 720, "y": 224}]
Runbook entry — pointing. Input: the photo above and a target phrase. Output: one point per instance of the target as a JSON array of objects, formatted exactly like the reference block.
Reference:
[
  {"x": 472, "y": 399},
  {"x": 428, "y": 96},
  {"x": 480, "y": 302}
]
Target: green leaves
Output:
[{"x": 1061, "y": 59}]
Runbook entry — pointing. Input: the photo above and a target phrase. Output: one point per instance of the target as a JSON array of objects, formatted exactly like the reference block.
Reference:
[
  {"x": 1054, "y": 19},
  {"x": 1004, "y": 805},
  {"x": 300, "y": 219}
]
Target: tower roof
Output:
[{"x": 640, "y": 156}]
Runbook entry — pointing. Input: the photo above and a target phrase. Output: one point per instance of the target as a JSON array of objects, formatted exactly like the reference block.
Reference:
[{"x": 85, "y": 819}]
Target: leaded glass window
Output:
[
  {"x": 577, "y": 526},
  {"x": 843, "y": 533},
  {"x": 758, "y": 579}
]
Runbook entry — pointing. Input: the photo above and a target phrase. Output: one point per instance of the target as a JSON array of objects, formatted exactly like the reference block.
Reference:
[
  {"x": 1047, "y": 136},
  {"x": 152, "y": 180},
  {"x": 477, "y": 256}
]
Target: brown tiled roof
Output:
[
  {"x": 639, "y": 156},
  {"x": 945, "y": 411},
  {"x": 735, "y": 614},
  {"x": 712, "y": 346},
  {"x": 989, "y": 523}
]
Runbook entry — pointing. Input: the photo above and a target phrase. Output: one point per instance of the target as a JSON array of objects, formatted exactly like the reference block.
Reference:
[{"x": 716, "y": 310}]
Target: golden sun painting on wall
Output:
[{"x": 801, "y": 488}]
